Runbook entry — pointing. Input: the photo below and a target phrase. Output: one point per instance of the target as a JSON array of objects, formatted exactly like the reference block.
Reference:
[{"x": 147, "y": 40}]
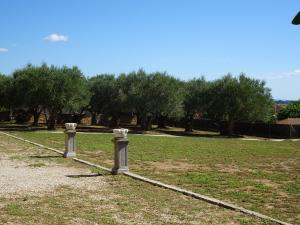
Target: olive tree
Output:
[
  {"x": 6, "y": 93},
  {"x": 239, "y": 99},
  {"x": 196, "y": 100},
  {"x": 66, "y": 89},
  {"x": 135, "y": 94},
  {"x": 105, "y": 98},
  {"x": 166, "y": 97},
  {"x": 30, "y": 91},
  {"x": 151, "y": 95}
]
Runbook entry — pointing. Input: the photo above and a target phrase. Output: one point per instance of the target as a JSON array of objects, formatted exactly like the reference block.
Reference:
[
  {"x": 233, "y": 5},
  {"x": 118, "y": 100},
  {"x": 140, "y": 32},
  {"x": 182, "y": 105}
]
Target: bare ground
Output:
[{"x": 18, "y": 178}]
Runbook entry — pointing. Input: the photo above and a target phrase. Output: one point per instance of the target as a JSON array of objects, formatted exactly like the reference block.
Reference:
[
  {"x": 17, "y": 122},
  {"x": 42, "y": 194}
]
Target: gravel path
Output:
[{"x": 18, "y": 178}]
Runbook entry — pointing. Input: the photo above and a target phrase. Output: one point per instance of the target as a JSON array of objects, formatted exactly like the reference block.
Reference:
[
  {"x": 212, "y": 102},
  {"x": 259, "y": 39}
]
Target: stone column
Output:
[
  {"x": 120, "y": 151},
  {"x": 70, "y": 144}
]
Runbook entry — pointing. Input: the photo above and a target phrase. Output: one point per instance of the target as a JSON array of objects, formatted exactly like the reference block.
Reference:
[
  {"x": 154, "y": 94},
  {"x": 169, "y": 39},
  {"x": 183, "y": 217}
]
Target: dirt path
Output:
[{"x": 18, "y": 178}]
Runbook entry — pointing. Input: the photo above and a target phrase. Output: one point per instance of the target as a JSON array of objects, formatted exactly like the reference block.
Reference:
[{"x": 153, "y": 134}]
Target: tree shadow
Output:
[
  {"x": 188, "y": 134},
  {"x": 133, "y": 129},
  {"x": 21, "y": 128},
  {"x": 196, "y": 134},
  {"x": 94, "y": 129}
]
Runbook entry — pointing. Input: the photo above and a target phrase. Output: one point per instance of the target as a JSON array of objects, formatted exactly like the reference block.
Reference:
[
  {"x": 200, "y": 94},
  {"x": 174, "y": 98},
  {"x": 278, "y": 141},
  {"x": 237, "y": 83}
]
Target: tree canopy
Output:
[
  {"x": 52, "y": 88},
  {"x": 105, "y": 96},
  {"x": 151, "y": 95},
  {"x": 67, "y": 89},
  {"x": 148, "y": 96},
  {"x": 3, "y": 92},
  {"x": 292, "y": 110},
  {"x": 239, "y": 99},
  {"x": 196, "y": 99},
  {"x": 6, "y": 92},
  {"x": 30, "y": 88}
]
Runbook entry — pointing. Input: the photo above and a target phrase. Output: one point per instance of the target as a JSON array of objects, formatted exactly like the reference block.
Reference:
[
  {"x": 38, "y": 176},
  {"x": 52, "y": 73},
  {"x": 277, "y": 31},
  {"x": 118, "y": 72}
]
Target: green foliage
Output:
[
  {"x": 52, "y": 88},
  {"x": 29, "y": 85},
  {"x": 241, "y": 98},
  {"x": 135, "y": 92},
  {"x": 105, "y": 95},
  {"x": 292, "y": 110},
  {"x": 149, "y": 95},
  {"x": 196, "y": 100},
  {"x": 166, "y": 94},
  {"x": 67, "y": 89},
  {"x": 146, "y": 95},
  {"x": 196, "y": 96},
  {"x": 6, "y": 91}
]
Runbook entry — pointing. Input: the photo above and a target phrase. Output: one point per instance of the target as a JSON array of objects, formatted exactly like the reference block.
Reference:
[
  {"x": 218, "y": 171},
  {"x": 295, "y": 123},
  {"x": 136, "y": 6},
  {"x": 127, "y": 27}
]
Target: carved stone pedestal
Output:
[
  {"x": 70, "y": 143},
  {"x": 120, "y": 151}
]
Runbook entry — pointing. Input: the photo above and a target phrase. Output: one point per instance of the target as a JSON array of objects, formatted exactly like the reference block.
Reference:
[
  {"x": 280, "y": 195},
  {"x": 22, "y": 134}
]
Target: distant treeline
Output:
[{"x": 148, "y": 96}]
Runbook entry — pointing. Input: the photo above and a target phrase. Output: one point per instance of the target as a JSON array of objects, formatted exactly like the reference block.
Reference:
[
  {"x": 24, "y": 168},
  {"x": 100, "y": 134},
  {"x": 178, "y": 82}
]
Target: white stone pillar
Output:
[
  {"x": 70, "y": 143},
  {"x": 120, "y": 151}
]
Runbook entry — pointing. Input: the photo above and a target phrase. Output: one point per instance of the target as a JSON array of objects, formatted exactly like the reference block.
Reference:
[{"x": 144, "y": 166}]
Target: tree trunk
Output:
[
  {"x": 143, "y": 122},
  {"x": 231, "y": 127},
  {"x": 189, "y": 123},
  {"x": 36, "y": 116},
  {"x": 149, "y": 123},
  {"x": 10, "y": 113},
  {"x": 162, "y": 121},
  {"x": 138, "y": 120},
  {"x": 115, "y": 121},
  {"x": 51, "y": 125},
  {"x": 46, "y": 115},
  {"x": 94, "y": 118}
]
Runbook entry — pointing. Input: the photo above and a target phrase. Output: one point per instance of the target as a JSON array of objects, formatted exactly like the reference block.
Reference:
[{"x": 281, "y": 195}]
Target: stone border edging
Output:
[
  {"x": 91, "y": 164},
  {"x": 205, "y": 198}
]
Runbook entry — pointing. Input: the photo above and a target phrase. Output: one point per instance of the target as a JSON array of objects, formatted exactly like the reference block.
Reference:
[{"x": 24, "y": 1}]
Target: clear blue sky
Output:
[{"x": 186, "y": 38}]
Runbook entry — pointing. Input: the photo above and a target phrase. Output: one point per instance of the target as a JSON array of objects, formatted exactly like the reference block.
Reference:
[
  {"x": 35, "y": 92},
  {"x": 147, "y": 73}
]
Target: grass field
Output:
[
  {"x": 258, "y": 175},
  {"x": 101, "y": 199}
]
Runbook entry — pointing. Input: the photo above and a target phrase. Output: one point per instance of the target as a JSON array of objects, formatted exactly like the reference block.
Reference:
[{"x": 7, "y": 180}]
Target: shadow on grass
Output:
[
  {"x": 132, "y": 130},
  {"x": 187, "y": 134},
  {"x": 45, "y": 156},
  {"x": 23, "y": 127},
  {"x": 195, "y": 133},
  {"x": 86, "y": 175},
  {"x": 169, "y": 131}
]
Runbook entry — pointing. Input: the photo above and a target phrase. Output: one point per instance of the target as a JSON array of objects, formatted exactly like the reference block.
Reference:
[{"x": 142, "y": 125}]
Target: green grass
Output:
[
  {"x": 259, "y": 175},
  {"x": 37, "y": 164},
  {"x": 118, "y": 199},
  {"x": 130, "y": 201},
  {"x": 14, "y": 209}
]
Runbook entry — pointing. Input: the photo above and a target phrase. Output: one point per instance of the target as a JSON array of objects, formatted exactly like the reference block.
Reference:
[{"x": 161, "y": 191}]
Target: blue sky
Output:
[{"x": 186, "y": 38}]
